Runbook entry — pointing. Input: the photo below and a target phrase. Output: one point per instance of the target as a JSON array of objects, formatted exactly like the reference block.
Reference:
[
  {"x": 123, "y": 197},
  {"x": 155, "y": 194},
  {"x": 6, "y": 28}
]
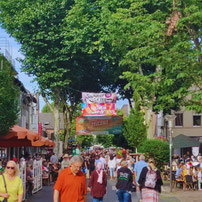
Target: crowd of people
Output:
[
  {"x": 69, "y": 174},
  {"x": 187, "y": 171},
  {"x": 140, "y": 176},
  {"x": 48, "y": 169}
]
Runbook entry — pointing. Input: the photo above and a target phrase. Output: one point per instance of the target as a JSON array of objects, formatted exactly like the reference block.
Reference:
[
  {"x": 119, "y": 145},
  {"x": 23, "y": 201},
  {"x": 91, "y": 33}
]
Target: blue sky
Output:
[
  {"x": 15, "y": 53},
  {"x": 25, "y": 79}
]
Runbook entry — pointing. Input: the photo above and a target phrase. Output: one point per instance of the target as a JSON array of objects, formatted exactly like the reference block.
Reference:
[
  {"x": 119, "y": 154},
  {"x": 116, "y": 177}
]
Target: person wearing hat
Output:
[
  {"x": 124, "y": 183},
  {"x": 65, "y": 163}
]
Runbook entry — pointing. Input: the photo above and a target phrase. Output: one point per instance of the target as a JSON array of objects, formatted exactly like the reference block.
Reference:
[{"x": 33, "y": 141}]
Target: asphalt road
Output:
[{"x": 46, "y": 195}]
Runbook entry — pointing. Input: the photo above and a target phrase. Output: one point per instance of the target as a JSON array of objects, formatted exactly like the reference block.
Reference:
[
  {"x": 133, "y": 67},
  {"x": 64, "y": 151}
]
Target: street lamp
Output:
[{"x": 170, "y": 119}]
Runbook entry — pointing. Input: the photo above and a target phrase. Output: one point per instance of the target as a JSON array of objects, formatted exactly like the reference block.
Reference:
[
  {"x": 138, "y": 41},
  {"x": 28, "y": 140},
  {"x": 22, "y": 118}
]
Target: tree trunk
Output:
[
  {"x": 68, "y": 117},
  {"x": 56, "y": 117},
  {"x": 65, "y": 127},
  {"x": 67, "y": 131}
]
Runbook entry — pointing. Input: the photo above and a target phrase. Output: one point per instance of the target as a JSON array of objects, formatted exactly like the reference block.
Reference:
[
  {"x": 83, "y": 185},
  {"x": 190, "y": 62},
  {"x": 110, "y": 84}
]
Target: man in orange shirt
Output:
[{"x": 71, "y": 183}]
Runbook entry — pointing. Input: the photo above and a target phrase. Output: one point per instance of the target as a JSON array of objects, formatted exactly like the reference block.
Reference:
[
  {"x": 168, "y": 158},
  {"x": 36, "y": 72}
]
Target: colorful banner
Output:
[
  {"x": 99, "y": 98},
  {"x": 94, "y": 109},
  {"x": 99, "y": 125}
]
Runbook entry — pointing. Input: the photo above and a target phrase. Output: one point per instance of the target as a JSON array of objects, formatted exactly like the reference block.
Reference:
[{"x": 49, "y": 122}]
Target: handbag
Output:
[
  {"x": 133, "y": 188},
  {"x": 5, "y": 199}
]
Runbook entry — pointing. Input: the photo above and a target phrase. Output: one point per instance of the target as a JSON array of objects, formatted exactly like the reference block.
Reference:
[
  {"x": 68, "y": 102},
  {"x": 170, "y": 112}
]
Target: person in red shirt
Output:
[{"x": 71, "y": 183}]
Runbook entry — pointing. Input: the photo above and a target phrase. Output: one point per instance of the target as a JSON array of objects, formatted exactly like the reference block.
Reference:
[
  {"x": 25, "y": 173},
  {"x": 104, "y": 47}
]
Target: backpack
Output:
[{"x": 151, "y": 178}]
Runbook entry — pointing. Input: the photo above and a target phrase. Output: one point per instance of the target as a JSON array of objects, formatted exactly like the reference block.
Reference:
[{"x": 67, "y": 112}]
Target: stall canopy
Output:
[
  {"x": 42, "y": 141},
  {"x": 183, "y": 141},
  {"x": 22, "y": 137},
  {"x": 18, "y": 132}
]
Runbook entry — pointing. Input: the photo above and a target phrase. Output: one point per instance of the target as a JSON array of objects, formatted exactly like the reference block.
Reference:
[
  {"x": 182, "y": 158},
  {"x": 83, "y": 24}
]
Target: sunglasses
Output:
[
  {"x": 151, "y": 162},
  {"x": 10, "y": 167}
]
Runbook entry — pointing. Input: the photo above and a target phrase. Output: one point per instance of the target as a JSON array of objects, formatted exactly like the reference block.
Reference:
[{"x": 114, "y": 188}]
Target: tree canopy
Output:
[
  {"x": 61, "y": 71},
  {"x": 156, "y": 44},
  {"x": 148, "y": 49},
  {"x": 9, "y": 95},
  {"x": 46, "y": 108},
  {"x": 159, "y": 46},
  {"x": 156, "y": 149},
  {"x": 135, "y": 131}
]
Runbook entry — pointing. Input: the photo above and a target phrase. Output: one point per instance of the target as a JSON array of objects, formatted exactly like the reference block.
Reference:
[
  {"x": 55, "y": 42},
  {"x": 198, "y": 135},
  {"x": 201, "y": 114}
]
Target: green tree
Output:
[
  {"x": 120, "y": 141},
  {"x": 158, "y": 43},
  {"x": 105, "y": 140},
  {"x": 135, "y": 130},
  {"x": 37, "y": 27},
  {"x": 157, "y": 149},
  {"x": 9, "y": 95},
  {"x": 74, "y": 46},
  {"x": 46, "y": 108},
  {"x": 59, "y": 40},
  {"x": 85, "y": 140},
  {"x": 61, "y": 70}
]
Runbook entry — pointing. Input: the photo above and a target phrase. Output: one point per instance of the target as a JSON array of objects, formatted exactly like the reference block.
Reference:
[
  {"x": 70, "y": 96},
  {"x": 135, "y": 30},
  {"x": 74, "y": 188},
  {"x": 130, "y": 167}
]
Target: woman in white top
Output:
[
  {"x": 118, "y": 161},
  {"x": 112, "y": 166}
]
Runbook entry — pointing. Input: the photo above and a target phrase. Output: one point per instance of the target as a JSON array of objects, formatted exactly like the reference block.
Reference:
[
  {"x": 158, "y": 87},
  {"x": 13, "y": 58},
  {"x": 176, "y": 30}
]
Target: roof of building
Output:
[
  {"x": 183, "y": 141},
  {"x": 47, "y": 120}
]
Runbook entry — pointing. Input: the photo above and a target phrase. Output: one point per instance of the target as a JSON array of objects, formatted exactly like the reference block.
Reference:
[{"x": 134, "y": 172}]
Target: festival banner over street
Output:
[
  {"x": 99, "y": 125},
  {"x": 99, "y": 115},
  {"x": 103, "y": 109},
  {"x": 99, "y": 98}
]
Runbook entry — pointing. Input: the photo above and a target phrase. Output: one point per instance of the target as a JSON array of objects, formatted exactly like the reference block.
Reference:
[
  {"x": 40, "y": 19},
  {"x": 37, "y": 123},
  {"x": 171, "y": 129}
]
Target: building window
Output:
[
  {"x": 179, "y": 119},
  {"x": 196, "y": 120}
]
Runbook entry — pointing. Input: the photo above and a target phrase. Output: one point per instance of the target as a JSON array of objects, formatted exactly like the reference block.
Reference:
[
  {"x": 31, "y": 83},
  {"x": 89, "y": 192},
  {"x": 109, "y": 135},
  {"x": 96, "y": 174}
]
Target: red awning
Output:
[
  {"x": 15, "y": 143},
  {"x": 43, "y": 142},
  {"x": 18, "y": 132},
  {"x": 22, "y": 137},
  {"x": 51, "y": 144},
  {"x": 18, "y": 137}
]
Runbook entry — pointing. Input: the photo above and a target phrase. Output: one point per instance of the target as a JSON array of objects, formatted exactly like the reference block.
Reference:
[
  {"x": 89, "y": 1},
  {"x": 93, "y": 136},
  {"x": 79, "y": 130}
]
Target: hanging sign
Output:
[
  {"x": 195, "y": 151},
  {"x": 99, "y": 98},
  {"x": 99, "y": 125},
  {"x": 104, "y": 109}
]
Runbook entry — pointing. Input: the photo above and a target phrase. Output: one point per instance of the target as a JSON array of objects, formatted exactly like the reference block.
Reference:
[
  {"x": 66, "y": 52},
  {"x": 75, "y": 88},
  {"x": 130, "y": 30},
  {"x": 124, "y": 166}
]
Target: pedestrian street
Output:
[{"x": 46, "y": 195}]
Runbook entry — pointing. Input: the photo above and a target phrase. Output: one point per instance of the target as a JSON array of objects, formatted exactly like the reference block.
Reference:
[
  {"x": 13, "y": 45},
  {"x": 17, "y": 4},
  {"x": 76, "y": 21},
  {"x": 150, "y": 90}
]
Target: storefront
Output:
[{"x": 183, "y": 144}]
